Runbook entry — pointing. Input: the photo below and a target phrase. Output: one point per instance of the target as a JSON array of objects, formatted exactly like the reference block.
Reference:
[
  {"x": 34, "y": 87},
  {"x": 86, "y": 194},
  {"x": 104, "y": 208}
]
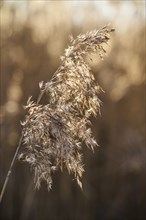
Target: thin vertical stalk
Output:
[{"x": 10, "y": 169}]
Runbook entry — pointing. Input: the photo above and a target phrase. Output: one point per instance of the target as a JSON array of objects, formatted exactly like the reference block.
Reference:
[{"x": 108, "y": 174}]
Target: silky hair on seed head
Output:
[{"x": 54, "y": 133}]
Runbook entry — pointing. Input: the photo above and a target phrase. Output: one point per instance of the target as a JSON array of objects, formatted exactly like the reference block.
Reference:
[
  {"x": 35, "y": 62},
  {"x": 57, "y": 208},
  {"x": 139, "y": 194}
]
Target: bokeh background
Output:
[{"x": 34, "y": 35}]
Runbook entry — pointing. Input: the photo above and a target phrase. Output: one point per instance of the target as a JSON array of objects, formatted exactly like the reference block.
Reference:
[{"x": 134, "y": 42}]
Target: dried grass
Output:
[{"x": 53, "y": 134}]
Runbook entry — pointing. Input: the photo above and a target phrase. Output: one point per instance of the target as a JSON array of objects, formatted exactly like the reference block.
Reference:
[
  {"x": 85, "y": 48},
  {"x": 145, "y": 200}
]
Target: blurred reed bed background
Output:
[{"x": 34, "y": 35}]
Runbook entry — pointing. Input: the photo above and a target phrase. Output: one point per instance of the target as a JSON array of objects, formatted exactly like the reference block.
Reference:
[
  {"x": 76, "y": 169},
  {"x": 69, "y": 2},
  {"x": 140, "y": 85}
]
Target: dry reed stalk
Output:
[{"x": 53, "y": 133}]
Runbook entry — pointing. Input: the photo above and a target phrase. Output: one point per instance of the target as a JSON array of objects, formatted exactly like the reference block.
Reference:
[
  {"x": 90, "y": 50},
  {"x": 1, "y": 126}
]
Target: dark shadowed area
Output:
[{"x": 33, "y": 36}]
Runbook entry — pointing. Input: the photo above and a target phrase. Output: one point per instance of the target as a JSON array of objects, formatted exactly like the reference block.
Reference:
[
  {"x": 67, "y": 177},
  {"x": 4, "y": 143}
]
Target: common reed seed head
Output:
[{"x": 54, "y": 133}]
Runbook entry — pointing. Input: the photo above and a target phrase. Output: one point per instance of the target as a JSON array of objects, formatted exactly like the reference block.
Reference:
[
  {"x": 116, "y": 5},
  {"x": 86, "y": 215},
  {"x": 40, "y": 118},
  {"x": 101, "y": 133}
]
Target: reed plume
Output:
[{"x": 54, "y": 133}]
